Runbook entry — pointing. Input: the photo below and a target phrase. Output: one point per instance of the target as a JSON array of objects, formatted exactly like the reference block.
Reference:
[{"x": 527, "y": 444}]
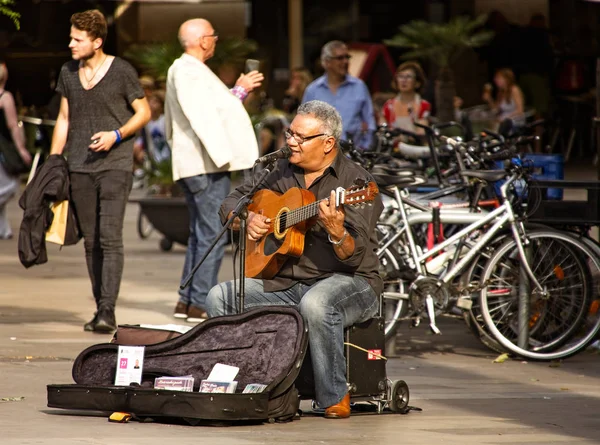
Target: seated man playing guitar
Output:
[{"x": 330, "y": 272}]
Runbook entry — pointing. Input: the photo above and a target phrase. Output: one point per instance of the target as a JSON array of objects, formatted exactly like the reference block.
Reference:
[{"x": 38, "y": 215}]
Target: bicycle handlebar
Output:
[
  {"x": 397, "y": 131},
  {"x": 499, "y": 156}
]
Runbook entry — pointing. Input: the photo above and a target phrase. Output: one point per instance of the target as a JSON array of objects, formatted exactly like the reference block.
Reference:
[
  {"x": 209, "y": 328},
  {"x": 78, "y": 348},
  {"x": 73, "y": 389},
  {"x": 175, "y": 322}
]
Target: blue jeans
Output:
[
  {"x": 204, "y": 195},
  {"x": 327, "y": 307},
  {"x": 8, "y": 188}
]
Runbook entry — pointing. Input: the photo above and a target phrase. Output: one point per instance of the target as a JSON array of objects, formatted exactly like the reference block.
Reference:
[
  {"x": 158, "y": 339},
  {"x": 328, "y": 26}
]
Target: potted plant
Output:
[
  {"x": 159, "y": 177},
  {"x": 164, "y": 206},
  {"x": 155, "y": 59},
  {"x": 442, "y": 44}
]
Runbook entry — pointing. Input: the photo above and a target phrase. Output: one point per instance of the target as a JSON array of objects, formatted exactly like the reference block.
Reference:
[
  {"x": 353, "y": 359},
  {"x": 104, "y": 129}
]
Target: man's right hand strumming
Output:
[{"x": 258, "y": 226}]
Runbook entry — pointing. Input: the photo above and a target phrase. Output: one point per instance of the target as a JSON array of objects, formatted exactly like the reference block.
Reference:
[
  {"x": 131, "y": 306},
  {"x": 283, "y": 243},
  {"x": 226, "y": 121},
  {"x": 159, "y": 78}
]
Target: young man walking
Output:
[{"x": 101, "y": 108}]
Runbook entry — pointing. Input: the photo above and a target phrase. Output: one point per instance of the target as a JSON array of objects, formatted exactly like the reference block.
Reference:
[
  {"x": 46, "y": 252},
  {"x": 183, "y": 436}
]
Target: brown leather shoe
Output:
[
  {"x": 339, "y": 411},
  {"x": 196, "y": 315},
  {"x": 181, "y": 310}
]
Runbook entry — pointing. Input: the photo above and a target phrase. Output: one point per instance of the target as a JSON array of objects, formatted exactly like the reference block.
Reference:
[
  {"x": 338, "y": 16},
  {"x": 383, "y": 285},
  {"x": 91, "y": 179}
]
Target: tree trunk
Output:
[{"x": 445, "y": 90}]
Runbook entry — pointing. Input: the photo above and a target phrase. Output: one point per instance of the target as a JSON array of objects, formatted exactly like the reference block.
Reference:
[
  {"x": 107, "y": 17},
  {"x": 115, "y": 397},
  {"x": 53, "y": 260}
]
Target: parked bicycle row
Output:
[{"x": 455, "y": 239}]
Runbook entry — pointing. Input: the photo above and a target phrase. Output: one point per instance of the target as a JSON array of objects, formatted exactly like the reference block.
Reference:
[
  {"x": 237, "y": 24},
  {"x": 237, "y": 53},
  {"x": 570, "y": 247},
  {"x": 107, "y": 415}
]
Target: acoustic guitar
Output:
[{"x": 292, "y": 214}]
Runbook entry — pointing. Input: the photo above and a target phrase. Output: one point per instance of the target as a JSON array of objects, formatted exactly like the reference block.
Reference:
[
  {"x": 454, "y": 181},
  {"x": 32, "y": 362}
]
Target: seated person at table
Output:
[
  {"x": 335, "y": 282},
  {"x": 509, "y": 102}
]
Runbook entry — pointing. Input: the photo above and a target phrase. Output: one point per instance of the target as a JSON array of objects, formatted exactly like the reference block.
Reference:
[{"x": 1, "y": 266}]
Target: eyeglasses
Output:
[
  {"x": 342, "y": 57},
  {"x": 214, "y": 34},
  {"x": 300, "y": 139}
]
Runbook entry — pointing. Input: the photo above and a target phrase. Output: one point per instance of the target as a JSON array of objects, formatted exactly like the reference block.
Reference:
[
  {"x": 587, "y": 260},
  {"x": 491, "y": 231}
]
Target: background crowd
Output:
[{"x": 524, "y": 82}]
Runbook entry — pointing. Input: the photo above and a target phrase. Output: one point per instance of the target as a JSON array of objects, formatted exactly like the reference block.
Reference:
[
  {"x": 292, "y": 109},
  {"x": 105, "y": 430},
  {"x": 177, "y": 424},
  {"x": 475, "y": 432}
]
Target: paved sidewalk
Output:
[{"x": 466, "y": 399}]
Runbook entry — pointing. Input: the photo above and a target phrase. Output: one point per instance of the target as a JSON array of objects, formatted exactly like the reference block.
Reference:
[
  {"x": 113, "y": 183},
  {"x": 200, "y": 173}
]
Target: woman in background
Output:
[
  {"x": 408, "y": 106},
  {"x": 299, "y": 80},
  {"x": 10, "y": 130},
  {"x": 509, "y": 102}
]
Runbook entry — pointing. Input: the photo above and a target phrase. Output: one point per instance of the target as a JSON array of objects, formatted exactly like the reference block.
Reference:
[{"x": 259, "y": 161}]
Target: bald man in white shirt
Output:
[{"x": 210, "y": 135}]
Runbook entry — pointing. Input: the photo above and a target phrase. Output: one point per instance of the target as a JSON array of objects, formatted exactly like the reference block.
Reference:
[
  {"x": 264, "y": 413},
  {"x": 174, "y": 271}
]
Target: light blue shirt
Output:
[{"x": 353, "y": 101}]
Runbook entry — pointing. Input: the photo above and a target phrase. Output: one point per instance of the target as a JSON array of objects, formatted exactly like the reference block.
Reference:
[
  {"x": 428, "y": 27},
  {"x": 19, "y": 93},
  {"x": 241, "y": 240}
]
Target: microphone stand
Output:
[{"x": 241, "y": 212}]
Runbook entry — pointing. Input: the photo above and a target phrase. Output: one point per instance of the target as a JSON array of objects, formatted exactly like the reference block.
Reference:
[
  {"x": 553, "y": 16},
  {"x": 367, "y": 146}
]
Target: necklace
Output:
[{"x": 89, "y": 81}]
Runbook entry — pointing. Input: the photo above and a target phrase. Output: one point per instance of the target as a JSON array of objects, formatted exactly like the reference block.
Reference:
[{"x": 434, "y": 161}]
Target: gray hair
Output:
[
  {"x": 329, "y": 48},
  {"x": 183, "y": 42},
  {"x": 331, "y": 121}
]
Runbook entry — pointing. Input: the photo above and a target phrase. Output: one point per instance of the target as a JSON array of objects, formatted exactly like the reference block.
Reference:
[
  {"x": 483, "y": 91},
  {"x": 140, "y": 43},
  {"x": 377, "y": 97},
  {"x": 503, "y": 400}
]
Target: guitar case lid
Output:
[{"x": 267, "y": 344}]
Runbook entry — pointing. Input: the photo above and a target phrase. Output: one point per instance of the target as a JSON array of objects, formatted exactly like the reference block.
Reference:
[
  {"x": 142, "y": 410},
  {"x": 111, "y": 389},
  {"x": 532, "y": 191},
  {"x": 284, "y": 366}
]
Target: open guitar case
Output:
[{"x": 268, "y": 345}]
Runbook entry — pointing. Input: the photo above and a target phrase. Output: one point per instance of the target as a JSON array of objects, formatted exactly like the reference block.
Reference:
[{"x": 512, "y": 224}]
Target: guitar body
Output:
[{"x": 265, "y": 257}]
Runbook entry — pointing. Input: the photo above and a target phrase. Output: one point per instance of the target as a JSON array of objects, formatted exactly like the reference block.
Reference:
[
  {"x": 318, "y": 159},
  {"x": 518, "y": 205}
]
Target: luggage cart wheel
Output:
[
  {"x": 165, "y": 244},
  {"x": 399, "y": 397}
]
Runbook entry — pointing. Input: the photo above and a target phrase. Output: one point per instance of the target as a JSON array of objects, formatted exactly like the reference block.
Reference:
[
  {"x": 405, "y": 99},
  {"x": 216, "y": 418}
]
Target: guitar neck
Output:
[
  {"x": 302, "y": 213},
  {"x": 355, "y": 195}
]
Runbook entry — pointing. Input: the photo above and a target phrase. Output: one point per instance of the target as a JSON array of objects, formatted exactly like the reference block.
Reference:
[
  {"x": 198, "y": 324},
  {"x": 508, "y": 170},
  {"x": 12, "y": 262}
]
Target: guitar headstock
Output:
[{"x": 359, "y": 193}]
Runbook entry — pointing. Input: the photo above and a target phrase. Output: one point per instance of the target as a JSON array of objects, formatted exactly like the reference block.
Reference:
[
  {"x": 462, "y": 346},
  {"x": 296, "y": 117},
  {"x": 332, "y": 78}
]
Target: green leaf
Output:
[
  {"x": 156, "y": 58},
  {"x": 440, "y": 43},
  {"x": 6, "y": 10}
]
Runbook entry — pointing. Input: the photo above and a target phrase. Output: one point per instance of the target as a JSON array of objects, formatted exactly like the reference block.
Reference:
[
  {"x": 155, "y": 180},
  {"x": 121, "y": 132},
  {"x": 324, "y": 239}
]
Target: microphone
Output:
[{"x": 283, "y": 153}]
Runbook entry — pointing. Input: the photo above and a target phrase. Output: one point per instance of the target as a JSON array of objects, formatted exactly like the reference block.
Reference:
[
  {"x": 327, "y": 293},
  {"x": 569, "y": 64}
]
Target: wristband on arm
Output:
[
  {"x": 341, "y": 240},
  {"x": 119, "y": 138},
  {"x": 239, "y": 92}
]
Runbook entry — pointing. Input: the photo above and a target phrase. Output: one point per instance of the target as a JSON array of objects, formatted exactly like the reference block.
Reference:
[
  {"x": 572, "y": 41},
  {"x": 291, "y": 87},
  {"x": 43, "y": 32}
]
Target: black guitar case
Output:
[{"x": 268, "y": 345}]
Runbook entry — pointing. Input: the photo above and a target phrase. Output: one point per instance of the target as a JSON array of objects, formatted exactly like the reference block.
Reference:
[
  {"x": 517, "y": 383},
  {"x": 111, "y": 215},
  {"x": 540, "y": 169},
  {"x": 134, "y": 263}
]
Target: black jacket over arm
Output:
[{"x": 50, "y": 183}]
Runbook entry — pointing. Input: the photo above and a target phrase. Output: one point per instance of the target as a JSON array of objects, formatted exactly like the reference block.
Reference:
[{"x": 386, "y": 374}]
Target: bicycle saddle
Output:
[
  {"x": 384, "y": 169},
  {"x": 384, "y": 180},
  {"x": 486, "y": 175}
]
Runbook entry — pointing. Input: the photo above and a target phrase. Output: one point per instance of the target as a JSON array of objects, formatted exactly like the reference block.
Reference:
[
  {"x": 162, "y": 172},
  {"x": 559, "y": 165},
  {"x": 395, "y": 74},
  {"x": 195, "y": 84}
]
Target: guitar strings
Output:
[{"x": 293, "y": 217}]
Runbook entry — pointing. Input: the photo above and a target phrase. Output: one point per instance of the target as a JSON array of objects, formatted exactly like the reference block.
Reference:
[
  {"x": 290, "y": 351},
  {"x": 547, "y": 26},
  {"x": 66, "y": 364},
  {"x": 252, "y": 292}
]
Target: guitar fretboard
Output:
[{"x": 300, "y": 214}]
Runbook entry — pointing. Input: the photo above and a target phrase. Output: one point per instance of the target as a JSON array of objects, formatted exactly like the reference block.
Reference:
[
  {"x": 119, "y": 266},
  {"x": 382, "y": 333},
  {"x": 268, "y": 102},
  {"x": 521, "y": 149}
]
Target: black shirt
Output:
[
  {"x": 106, "y": 107},
  {"x": 319, "y": 259}
]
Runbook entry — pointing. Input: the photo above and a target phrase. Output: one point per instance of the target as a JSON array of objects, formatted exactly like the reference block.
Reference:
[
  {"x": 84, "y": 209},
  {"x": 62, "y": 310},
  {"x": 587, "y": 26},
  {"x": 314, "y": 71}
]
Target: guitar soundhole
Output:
[
  {"x": 281, "y": 221},
  {"x": 272, "y": 244}
]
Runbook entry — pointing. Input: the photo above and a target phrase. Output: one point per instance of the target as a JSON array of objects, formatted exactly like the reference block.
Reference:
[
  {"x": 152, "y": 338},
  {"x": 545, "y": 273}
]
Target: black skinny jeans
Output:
[{"x": 100, "y": 199}]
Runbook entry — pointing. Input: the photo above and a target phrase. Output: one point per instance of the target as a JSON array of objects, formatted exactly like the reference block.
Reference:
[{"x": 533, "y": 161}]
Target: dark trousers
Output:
[{"x": 99, "y": 200}]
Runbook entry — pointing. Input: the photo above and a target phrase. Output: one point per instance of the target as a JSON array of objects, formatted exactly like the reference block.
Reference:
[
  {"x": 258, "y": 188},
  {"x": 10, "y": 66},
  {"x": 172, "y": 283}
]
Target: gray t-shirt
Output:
[{"x": 105, "y": 107}]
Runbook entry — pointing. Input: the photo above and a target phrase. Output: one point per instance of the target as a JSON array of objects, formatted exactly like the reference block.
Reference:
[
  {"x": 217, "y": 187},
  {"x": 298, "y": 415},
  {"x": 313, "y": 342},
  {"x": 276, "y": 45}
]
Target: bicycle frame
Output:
[{"x": 499, "y": 217}]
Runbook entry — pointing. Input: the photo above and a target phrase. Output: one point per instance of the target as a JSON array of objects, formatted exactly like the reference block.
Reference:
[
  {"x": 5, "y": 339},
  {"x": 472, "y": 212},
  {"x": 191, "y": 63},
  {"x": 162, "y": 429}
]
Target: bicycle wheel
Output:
[
  {"x": 472, "y": 277},
  {"x": 473, "y": 317},
  {"x": 144, "y": 227},
  {"x": 394, "y": 306},
  {"x": 560, "y": 320},
  {"x": 553, "y": 316}
]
